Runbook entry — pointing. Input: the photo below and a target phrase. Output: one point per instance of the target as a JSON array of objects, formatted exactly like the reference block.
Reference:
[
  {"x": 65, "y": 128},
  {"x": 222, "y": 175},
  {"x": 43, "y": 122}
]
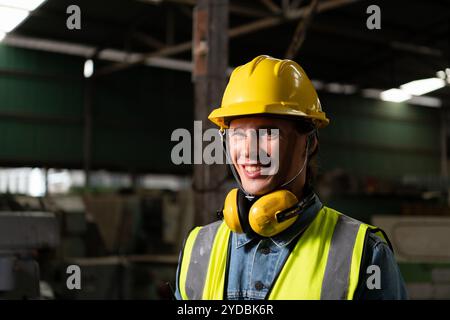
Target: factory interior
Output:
[{"x": 91, "y": 93}]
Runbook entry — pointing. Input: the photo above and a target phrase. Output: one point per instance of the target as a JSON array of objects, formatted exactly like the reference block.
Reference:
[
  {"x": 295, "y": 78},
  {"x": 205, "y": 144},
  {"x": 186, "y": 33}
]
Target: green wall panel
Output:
[
  {"x": 40, "y": 62},
  {"x": 134, "y": 115},
  {"x": 37, "y": 144},
  {"x": 380, "y": 163},
  {"x": 43, "y": 97},
  {"x": 371, "y": 137}
]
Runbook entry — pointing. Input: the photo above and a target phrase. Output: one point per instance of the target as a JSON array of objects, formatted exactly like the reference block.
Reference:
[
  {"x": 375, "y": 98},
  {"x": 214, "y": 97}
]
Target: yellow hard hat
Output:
[{"x": 269, "y": 86}]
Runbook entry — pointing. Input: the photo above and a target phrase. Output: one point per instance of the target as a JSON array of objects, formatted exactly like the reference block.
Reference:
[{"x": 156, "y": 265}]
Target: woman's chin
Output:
[{"x": 258, "y": 189}]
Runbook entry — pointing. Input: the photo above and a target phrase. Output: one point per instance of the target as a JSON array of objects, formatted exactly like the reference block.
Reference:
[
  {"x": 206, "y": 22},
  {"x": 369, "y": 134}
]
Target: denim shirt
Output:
[{"x": 256, "y": 261}]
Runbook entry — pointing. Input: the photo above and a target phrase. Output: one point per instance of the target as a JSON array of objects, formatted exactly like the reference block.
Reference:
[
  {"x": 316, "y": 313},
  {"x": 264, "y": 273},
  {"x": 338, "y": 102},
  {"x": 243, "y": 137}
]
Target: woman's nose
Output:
[{"x": 251, "y": 146}]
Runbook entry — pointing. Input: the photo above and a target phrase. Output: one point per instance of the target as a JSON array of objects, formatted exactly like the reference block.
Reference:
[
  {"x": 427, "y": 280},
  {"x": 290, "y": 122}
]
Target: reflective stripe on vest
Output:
[
  {"x": 202, "y": 272},
  {"x": 324, "y": 264}
]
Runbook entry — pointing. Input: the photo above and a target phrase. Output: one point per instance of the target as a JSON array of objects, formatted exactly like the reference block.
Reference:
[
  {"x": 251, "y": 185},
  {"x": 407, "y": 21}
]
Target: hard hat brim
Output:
[{"x": 221, "y": 116}]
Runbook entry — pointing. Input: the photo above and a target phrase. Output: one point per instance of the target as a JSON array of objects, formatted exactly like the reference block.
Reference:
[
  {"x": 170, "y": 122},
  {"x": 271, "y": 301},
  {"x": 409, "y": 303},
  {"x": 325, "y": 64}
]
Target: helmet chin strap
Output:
[
  {"x": 238, "y": 180},
  {"x": 300, "y": 171}
]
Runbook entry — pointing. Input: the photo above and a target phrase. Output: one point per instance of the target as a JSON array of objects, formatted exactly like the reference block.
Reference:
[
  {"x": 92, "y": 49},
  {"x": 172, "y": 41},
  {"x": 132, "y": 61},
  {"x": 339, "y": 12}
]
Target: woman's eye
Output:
[
  {"x": 236, "y": 133},
  {"x": 269, "y": 133}
]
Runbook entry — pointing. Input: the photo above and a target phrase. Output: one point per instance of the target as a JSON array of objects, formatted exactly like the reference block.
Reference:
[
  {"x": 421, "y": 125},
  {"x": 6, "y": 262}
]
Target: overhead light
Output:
[
  {"x": 394, "y": 95},
  {"x": 28, "y": 5},
  {"x": 334, "y": 87},
  {"x": 417, "y": 100},
  {"x": 441, "y": 74},
  {"x": 420, "y": 87},
  {"x": 2, "y": 35},
  {"x": 349, "y": 88},
  {"x": 318, "y": 85},
  {"x": 371, "y": 93},
  {"x": 444, "y": 75},
  {"x": 11, "y": 18},
  {"x": 426, "y": 101},
  {"x": 88, "y": 68}
]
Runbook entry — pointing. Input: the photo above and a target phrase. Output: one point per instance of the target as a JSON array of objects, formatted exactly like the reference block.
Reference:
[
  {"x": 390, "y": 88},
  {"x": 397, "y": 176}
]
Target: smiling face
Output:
[{"x": 247, "y": 143}]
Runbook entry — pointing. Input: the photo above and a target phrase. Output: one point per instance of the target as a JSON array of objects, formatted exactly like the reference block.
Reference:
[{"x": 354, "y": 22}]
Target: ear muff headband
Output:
[{"x": 244, "y": 205}]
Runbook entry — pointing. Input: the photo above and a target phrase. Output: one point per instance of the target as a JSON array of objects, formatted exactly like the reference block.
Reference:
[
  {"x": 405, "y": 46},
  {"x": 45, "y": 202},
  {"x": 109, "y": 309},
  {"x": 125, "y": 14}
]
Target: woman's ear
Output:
[{"x": 312, "y": 142}]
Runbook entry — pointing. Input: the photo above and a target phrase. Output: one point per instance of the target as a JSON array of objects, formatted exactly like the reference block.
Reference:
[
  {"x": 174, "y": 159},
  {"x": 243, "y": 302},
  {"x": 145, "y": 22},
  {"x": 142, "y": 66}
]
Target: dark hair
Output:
[{"x": 308, "y": 127}]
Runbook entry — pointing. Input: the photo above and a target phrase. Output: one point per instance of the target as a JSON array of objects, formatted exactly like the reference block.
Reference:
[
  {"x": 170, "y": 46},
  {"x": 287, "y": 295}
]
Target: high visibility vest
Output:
[{"x": 324, "y": 264}]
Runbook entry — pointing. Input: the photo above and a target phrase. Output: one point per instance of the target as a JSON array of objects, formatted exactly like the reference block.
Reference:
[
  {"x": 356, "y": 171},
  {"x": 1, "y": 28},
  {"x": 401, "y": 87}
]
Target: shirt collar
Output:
[{"x": 287, "y": 236}]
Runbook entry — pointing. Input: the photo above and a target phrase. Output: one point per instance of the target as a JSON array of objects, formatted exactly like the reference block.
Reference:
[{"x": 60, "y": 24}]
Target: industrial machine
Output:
[
  {"x": 22, "y": 234},
  {"x": 421, "y": 248}
]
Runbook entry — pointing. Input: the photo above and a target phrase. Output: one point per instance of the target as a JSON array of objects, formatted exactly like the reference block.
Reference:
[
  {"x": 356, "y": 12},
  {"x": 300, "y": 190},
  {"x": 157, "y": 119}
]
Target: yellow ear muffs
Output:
[
  {"x": 235, "y": 211},
  {"x": 267, "y": 216},
  {"x": 231, "y": 211},
  {"x": 264, "y": 215}
]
